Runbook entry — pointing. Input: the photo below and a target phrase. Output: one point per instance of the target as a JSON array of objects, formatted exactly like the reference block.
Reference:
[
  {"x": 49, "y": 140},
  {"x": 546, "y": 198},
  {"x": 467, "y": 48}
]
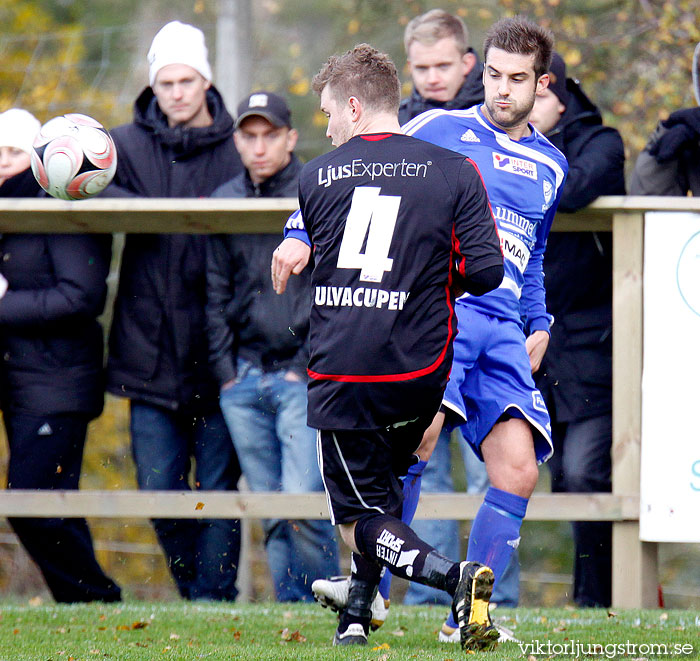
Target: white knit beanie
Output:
[
  {"x": 18, "y": 128},
  {"x": 178, "y": 43}
]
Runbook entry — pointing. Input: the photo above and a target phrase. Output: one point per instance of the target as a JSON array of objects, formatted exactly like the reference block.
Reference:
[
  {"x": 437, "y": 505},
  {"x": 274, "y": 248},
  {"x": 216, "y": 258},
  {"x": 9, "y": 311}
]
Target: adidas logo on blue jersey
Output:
[{"x": 469, "y": 136}]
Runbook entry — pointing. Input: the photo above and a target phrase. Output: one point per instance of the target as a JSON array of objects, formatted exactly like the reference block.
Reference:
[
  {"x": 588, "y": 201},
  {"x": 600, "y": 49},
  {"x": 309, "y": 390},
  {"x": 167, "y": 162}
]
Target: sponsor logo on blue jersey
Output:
[
  {"x": 513, "y": 221},
  {"x": 514, "y": 165}
]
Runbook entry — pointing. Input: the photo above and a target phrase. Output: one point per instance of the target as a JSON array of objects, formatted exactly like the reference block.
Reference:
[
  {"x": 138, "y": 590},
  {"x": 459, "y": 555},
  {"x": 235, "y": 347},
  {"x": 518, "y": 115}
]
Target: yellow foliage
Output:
[
  {"x": 319, "y": 119},
  {"x": 300, "y": 87}
]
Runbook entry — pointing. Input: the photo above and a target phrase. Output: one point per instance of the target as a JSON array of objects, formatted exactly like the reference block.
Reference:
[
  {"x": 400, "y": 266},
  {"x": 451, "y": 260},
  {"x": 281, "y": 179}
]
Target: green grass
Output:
[{"x": 144, "y": 631}]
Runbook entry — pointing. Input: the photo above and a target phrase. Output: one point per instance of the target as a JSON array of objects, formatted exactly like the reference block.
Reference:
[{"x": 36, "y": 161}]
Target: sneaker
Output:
[
  {"x": 449, "y": 635},
  {"x": 333, "y": 593},
  {"x": 355, "y": 634},
  {"x": 470, "y": 607}
]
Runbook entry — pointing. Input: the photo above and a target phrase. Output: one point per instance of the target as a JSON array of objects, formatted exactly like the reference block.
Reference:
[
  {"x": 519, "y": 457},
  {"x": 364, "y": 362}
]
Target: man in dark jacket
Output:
[
  {"x": 576, "y": 375},
  {"x": 258, "y": 350},
  {"x": 53, "y": 289},
  {"x": 445, "y": 70},
  {"x": 670, "y": 162},
  {"x": 179, "y": 145}
]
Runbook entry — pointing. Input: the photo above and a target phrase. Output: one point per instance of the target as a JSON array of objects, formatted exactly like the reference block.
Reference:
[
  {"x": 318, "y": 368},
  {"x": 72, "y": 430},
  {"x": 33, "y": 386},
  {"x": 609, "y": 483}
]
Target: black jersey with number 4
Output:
[{"x": 389, "y": 217}]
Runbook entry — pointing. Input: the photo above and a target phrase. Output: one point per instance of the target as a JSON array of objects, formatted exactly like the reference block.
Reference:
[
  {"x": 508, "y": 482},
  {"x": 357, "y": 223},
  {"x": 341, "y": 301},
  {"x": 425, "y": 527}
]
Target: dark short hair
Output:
[
  {"x": 363, "y": 72},
  {"x": 522, "y": 36},
  {"x": 434, "y": 25}
]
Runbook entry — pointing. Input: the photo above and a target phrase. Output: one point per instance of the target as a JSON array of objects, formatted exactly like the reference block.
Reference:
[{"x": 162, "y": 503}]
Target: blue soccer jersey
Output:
[{"x": 524, "y": 180}]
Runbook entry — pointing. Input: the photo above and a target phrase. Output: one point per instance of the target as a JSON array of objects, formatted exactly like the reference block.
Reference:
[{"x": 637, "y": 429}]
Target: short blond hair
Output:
[
  {"x": 363, "y": 72},
  {"x": 434, "y": 25}
]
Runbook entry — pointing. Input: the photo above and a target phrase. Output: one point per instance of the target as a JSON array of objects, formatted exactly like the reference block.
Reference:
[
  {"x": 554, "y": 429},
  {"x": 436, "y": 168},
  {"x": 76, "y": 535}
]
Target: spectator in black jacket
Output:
[
  {"x": 670, "y": 162},
  {"x": 258, "y": 351},
  {"x": 179, "y": 145},
  {"x": 445, "y": 70},
  {"x": 576, "y": 375},
  {"x": 52, "y": 289}
]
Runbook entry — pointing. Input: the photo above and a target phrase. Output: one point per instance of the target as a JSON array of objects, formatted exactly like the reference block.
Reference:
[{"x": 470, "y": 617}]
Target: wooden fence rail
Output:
[{"x": 634, "y": 562}]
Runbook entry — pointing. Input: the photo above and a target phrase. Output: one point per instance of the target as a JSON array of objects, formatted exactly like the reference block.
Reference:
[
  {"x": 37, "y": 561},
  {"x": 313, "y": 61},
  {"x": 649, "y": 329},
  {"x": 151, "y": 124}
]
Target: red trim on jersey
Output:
[
  {"x": 462, "y": 263},
  {"x": 406, "y": 376},
  {"x": 377, "y": 136},
  {"x": 495, "y": 224}
]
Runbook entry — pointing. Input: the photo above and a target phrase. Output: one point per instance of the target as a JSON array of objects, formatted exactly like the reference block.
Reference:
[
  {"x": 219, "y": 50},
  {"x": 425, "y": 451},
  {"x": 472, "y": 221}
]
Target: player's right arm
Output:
[{"x": 292, "y": 255}]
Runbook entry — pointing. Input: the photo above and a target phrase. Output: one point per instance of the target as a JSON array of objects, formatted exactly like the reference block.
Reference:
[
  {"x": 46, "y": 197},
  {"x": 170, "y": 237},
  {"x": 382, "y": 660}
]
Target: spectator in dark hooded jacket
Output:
[
  {"x": 576, "y": 375},
  {"x": 445, "y": 70},
  {"x": 52, "y": 289},
  {"x": 670, "y": 162},
  {"x": 179, "y": 145}
]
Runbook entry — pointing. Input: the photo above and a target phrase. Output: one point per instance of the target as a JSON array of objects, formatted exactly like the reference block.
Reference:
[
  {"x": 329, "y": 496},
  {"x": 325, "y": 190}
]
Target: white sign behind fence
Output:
[{"x": 670, "y": 472}]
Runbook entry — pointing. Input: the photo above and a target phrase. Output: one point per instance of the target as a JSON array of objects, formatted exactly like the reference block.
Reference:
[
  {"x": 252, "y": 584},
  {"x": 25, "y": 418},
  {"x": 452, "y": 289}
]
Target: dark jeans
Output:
[
  {"x": 582, "y": 464},
  {"x": 202, "y": 554},
  {"x": 46, "y": 452}
]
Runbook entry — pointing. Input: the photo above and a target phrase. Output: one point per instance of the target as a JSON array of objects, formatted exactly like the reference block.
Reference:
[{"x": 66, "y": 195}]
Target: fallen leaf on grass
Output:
[
  {"x": 139, "y": 624},
  {"x": 292, "y": 636},
  {"x": 174, "y": 636},
  {"x": 383, "y": 646},
  {"x": 398, "y": 632}
]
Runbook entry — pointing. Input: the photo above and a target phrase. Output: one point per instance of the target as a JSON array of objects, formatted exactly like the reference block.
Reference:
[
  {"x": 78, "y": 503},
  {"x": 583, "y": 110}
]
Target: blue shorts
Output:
[{"x": 491, "y": 376}]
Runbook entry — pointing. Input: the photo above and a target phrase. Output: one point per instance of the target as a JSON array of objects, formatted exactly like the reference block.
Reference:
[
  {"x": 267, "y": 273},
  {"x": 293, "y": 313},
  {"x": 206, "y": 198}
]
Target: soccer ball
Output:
[{"x": 73, "y": 157}]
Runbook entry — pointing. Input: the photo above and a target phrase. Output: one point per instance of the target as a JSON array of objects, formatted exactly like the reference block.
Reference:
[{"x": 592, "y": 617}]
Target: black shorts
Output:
[{"x": 361, "y": 468}]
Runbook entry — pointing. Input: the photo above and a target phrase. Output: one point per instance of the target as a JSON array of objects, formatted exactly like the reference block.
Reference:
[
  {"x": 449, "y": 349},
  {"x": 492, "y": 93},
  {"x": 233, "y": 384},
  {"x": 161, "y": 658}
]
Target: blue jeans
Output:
[
  {"x": 266, "y": 415},
  {"x": 444, "y": 534},
  {"x": 202, "y": 554}
]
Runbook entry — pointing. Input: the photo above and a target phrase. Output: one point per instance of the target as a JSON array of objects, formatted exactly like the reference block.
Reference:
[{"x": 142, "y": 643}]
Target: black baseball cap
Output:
[{"x": 265, "y": 104}]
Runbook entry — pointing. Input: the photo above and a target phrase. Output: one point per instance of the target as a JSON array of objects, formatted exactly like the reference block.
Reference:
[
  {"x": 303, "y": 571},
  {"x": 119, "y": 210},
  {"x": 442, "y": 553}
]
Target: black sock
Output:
[
  {"x": 364, "y": 580},
  {"x": 390, "y": 542}
]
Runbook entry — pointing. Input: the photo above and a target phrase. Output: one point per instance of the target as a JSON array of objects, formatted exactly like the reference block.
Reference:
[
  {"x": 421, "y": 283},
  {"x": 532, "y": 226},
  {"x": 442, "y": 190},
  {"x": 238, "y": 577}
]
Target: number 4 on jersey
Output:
[{"x": 373, "y": 216}]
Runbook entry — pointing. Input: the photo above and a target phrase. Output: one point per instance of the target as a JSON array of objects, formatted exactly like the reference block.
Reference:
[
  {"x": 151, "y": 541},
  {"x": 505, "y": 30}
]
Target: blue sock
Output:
[
  {"x": 411, "y": 494},
  {"x": 495, "y": 533}
]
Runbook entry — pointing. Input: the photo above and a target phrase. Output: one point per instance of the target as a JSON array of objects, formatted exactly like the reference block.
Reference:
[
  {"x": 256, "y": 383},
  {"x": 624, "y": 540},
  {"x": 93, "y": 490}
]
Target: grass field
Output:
[{"x": 144, "y": 631}]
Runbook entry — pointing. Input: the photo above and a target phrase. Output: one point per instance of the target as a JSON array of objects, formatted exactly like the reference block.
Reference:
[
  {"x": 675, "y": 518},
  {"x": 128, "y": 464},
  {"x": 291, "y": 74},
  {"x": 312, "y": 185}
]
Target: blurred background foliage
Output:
[{"x": 632, "y": 56}]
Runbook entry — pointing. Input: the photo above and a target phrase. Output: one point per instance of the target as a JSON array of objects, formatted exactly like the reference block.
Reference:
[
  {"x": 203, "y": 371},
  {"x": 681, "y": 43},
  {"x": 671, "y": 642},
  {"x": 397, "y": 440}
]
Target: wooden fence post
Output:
[{"x": 635, "y": 572}]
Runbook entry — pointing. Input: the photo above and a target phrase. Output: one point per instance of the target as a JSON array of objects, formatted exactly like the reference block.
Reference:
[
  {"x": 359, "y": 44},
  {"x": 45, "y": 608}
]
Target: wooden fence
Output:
[{"x": 634, "y": 562}]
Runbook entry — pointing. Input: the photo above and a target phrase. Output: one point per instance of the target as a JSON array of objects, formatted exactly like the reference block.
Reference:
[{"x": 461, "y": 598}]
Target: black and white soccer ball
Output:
[{"x": 73, "y": 157}]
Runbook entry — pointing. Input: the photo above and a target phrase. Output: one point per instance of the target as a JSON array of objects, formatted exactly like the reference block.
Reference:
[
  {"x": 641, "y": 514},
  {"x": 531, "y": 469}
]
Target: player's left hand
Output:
[
  {"x": 536, "y": 346},
  {"x": 290, "y": 257}
]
